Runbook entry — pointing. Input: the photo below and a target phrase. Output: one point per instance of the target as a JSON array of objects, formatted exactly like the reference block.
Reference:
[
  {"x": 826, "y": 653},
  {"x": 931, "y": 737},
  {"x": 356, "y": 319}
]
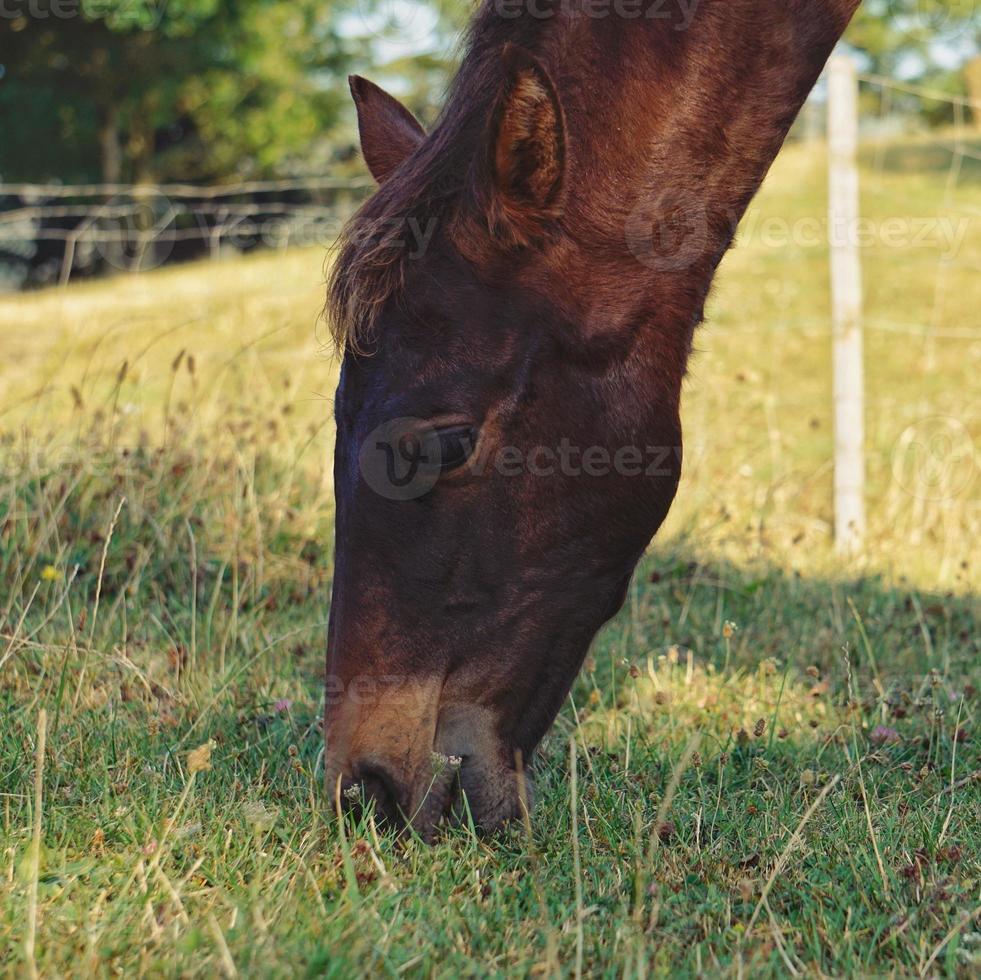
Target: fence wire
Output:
[
  {"x": 959, "y": 205},
  {"x": 134, "y": 227}
]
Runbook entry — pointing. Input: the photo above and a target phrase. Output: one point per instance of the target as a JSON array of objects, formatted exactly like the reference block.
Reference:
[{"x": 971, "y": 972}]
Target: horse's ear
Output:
[
  {"x": 527, "y": 150},
  {"x": 389, "y": 132}
]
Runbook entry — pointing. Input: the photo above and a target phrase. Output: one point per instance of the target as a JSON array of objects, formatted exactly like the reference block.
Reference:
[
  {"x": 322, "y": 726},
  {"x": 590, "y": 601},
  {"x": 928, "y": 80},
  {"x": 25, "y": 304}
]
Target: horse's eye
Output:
[{"x": 456, "y": 445}]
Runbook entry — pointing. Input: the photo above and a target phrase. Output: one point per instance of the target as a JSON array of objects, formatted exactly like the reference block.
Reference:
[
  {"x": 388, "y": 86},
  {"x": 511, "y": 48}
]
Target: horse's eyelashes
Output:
[{"x": 456, "y": 445}]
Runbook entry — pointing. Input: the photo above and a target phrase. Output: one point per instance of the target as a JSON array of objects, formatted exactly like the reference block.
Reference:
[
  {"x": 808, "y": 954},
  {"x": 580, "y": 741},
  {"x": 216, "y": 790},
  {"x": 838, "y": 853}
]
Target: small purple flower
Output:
[
  {"x": 884, "y": 736},
  {"x": 283, "y": 704}
]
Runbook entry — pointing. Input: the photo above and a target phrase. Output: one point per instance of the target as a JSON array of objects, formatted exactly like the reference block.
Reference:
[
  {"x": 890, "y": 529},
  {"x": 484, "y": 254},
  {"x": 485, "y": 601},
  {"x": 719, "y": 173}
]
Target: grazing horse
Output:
[{"x": 516, "y": 306}]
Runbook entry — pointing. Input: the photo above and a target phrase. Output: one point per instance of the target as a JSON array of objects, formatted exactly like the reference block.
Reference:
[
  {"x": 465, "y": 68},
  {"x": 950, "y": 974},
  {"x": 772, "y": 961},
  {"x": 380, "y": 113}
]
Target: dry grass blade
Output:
[
  {"x": 962, "y": 923},
  {"x": 228, "y": 969},
  {"x": 35, "y": 856},
  {"x": 795, "y": 838},
  {"x": 102, "y": 566},
  {"x": 576, "y": 857}
]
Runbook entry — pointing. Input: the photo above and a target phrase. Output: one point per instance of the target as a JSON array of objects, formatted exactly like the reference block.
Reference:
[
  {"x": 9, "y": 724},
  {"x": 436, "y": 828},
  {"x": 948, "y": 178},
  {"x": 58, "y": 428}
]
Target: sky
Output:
[{"x": 402, "y": 28}]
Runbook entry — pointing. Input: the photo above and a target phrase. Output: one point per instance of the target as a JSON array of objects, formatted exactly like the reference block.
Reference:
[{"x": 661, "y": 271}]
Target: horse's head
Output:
[
  {"x": 497, "y": 472},
  {"x": 516, "y": 304}
]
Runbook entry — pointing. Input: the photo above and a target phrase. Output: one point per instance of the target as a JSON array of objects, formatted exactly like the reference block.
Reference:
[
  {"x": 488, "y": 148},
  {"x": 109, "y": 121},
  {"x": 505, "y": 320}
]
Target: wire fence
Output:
[
  {"x": 956, "y": 213},
  {"x": 916, "y": 238},
  {"x": 55, "y": 231},
  {"x": 905, "y": 243}
]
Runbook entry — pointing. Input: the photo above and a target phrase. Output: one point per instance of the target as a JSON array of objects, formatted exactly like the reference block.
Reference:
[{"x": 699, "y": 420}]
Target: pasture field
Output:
[{"x": 776, "y": 754}]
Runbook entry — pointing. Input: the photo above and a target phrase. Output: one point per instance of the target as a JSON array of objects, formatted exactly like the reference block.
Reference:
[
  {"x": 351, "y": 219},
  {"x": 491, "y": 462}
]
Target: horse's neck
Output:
[{"x": 674, "y": 123}]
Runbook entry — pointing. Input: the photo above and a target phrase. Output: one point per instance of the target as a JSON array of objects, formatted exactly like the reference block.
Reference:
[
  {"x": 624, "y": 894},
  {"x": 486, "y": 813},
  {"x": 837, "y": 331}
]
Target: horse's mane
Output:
[{"x": 370, "y": 257}]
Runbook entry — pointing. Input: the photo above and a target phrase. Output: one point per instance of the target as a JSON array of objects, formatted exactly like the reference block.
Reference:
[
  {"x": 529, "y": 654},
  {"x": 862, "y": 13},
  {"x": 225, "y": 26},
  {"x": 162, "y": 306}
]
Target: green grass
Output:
[{"x": 797, "y": 793}]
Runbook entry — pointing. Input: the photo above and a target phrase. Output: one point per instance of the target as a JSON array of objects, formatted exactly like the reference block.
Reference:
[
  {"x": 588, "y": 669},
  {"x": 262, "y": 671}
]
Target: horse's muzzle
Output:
[{"x": 414, "y": 762}]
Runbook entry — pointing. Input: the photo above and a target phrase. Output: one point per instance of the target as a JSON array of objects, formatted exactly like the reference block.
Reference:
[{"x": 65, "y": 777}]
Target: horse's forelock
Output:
[{"x": 442, "y": 182}]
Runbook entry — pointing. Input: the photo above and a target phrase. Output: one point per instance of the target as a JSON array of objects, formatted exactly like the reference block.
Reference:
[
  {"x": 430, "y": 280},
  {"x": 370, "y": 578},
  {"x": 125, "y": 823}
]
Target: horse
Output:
[{"x": 515, "y": 307}]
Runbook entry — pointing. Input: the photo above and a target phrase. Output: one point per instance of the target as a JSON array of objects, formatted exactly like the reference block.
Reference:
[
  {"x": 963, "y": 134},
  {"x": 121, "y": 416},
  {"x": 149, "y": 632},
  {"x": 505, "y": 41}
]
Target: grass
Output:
[{"x": 776, "y": 755}]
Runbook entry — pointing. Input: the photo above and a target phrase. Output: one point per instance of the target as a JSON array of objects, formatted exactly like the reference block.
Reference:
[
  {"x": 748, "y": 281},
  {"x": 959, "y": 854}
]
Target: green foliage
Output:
[
  {"x": 214, "y": 89},
  {"x": 900, "y": 33},
  {"x": 188, "y": 89},
  {"x": 172, "y": 18}
]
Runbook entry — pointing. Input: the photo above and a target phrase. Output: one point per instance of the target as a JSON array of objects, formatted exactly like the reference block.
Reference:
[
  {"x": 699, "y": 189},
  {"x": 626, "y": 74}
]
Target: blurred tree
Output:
[
  {"x": 158, "y": 89},
  {"x": 211, "y": 89},
  {"x": 409, "y": 46},
  {"x": 902, "y": 36},
  {"x": 923, "y": 41},
  {"x": 972, "y": 79}
]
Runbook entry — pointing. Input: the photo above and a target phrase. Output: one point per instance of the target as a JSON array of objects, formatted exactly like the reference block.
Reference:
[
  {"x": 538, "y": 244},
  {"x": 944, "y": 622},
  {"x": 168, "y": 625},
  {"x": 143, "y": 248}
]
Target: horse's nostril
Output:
[{"x": 378, "y": 787}]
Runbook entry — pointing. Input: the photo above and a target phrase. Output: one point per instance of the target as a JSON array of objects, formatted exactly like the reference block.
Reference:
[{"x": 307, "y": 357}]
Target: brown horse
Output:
[{"x": 516, "y": 304}]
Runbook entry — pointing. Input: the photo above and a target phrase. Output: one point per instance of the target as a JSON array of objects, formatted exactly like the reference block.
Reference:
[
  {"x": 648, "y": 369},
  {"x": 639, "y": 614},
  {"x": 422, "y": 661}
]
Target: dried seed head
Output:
[{"x": 199, "y": 759}]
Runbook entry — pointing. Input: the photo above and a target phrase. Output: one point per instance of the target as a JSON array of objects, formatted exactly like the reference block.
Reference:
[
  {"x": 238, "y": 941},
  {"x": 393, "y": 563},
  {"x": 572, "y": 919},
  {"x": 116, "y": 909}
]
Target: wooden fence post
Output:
[{"x": 846, "y": 303}]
